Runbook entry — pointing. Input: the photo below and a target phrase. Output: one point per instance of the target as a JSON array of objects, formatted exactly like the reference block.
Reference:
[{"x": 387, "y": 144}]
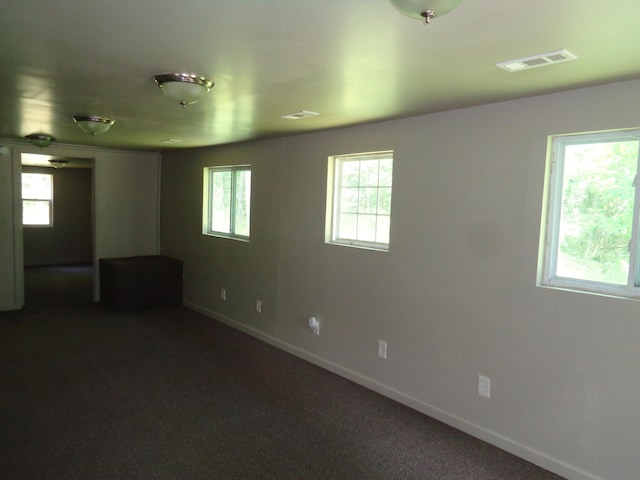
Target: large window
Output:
[
  {"x": 37, "y": 199},
  {"x": 591, "y": 226},
  {"x": 227, "y": 201},
  {"x": 359, "y": 200}
]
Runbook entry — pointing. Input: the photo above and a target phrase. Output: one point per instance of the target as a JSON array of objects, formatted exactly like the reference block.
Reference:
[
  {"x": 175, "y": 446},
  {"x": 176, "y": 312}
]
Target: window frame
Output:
[
  {"x": 334, "y": 184},
  {"x": 48, "y": 202},
  {"x": 551, "y": 221},
  {"x": 207, "y": 202}
]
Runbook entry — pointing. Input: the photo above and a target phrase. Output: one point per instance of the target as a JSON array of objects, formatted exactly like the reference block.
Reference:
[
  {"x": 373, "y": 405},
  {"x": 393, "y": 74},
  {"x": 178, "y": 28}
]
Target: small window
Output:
[
  {"x": 591, "y": 229},
  {"x": 37, "y": 199},
  {"x": 359, "y": 200},
  {"x": 227, "y": 201}
]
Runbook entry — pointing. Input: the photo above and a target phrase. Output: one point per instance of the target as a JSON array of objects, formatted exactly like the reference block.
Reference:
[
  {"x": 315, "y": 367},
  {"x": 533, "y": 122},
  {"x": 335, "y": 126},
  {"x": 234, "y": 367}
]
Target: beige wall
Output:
[{"x": 456, "y": 294}]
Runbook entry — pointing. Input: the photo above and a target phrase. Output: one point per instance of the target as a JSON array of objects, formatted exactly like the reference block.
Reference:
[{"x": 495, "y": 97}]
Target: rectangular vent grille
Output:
[
  {"x": 540, "y": 60},
  {"x": 299, "y": 115}
]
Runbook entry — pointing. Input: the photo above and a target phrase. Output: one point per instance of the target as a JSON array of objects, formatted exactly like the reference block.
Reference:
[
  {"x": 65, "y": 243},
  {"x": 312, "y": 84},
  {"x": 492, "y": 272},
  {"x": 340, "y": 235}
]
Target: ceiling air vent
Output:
[
  {"x": 299, "y": 115},
  {"x": 539, "y": 60}
]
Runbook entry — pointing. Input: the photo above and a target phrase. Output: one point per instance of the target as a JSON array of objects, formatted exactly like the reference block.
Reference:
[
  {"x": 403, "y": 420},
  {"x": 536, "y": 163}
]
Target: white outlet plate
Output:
[
  {"x": 484, "y": 386},
  {"x": 382, "y": 349},
  {"x": 223, "y": 293},
  {"x": 259, "y": 306}
]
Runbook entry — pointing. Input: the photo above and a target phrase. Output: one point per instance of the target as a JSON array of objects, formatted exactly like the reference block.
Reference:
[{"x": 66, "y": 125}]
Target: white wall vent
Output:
[
  {"x": 299, "y": 115},
  {"x": 540, "y": 60}
]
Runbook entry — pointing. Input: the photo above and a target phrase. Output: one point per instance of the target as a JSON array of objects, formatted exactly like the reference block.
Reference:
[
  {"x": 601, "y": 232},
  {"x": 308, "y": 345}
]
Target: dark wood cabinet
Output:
[{"x": 140, "y": 282}]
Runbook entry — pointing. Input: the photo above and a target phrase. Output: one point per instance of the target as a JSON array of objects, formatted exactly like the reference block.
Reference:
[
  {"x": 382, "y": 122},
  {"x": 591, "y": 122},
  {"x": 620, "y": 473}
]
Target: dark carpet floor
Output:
[{"x": 87, "y": 393}]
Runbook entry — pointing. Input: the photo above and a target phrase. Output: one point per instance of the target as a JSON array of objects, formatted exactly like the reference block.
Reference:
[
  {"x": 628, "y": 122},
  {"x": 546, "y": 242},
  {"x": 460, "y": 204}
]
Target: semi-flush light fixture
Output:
[
  {"x": 58, "y": 162},
  {"x": 425, "y": 9},
  {"x": 184, "y": 88},
  {"x": 93, "y": 125},
  {"x": 40, "y": 140}
]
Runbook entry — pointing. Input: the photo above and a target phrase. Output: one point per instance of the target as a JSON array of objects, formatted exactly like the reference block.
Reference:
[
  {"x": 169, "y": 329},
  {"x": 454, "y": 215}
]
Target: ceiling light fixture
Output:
[
  {"x": 184, "y": 88},
  {"x": 425, "y": 9},
  {"x": 58, "y": 162},
  {"x": 299, "y": 115},
  {"x": 40, "y": 140},
  {"x": 93, "y": 125}
]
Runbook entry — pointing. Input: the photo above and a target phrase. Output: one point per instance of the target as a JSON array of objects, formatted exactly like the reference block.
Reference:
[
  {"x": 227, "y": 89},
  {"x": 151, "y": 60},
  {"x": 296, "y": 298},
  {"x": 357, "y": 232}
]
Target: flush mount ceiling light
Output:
[
  {"x": 425, "y": 9},
  {"x": 58, "y": 162},
  {"x": 184, "y": 88},
  {"x": 299, "y": 115},
  {"x": 93, "y": 125},
  {"x": 40, "y": 140}
]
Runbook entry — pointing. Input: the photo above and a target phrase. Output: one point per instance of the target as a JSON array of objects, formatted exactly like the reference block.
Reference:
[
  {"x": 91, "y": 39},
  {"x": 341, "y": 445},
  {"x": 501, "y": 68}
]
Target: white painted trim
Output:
[{"x": 529, "y": 454}]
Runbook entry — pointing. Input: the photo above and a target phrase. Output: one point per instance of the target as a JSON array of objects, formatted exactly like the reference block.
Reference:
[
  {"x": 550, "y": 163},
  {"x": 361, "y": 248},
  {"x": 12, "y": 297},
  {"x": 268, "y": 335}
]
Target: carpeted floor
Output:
[
  {"x": 65, "y": 284},
  {"x": 87, "y": 393}
]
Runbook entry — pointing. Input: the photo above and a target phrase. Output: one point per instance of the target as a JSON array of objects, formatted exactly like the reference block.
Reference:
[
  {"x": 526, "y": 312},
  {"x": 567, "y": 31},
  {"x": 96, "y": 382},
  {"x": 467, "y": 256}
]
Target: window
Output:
[
  {"x": 37, "y": 199},
  {"x": 227, "y": 201},
  {"x": 591, "y": 239},
  {"x": 359, "y": 200}
]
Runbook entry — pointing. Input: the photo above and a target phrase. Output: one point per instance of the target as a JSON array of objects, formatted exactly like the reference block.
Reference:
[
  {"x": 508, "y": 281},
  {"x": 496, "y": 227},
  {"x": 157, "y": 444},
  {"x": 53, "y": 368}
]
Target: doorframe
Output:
[{"x": 18, "y": 242}]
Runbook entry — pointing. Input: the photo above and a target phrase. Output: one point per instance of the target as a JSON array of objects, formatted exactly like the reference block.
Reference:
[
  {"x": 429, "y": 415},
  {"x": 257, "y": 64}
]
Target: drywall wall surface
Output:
[
  {"x": 127, "y": 212},
  {"x": 247, "y": 271},
  {"x": 456, "y": 294},
  {"x": 8, "y": 299}
]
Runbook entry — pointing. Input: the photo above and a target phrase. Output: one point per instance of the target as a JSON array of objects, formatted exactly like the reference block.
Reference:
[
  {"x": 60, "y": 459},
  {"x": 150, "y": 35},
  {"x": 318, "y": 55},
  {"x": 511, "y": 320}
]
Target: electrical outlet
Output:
[
  {"x": 223, "y": 293},
  {"x": 259, "y": 306},
  {"x": 484, "y": 386},
  {"x": 382, "y": 349}
]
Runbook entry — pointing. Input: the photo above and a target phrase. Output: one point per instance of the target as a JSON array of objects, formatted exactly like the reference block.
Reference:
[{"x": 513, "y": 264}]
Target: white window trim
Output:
[
  {"x": 333, "y": 203},
  {"x": 551, "y": 221},
  {"x": 206, "y": 203}
]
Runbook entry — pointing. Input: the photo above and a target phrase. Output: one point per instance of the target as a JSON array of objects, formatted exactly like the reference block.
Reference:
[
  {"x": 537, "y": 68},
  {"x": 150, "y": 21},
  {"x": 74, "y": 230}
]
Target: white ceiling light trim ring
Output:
[
  {"x": 425, "y": 10},
  {"x": 184, "y": 88}
]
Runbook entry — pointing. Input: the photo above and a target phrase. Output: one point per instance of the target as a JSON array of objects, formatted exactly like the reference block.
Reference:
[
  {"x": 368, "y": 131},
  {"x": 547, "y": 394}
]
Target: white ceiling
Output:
[{"x": 353, "y": 61}]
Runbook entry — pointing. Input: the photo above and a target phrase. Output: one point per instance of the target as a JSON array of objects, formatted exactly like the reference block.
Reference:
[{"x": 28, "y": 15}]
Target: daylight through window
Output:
[
  {"x": 37, "y": 199},
  {"x": 359, "y": 200},
  {"x": 591, "y": 240},
  {"x": 227, "y": 201}
]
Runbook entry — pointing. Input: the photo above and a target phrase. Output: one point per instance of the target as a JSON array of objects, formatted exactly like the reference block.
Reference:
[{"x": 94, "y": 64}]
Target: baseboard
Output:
[{"x": 534, "y": 456}]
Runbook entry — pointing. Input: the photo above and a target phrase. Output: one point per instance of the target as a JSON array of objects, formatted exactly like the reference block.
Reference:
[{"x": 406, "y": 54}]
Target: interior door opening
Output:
[{"x": 58, "y": 246}]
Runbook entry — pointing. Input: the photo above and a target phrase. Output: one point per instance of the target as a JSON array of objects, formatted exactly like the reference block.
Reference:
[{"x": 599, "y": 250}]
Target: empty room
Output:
[{"x": 307, "y": 240}]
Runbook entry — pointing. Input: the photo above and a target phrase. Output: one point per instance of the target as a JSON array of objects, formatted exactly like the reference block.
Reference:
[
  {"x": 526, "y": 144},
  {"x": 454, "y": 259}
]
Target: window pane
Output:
[
  {"x": 36, "y": 212},
  {"x": 243, "y": 202},
  {"x": 384, "y": 201},
  {"x": 350, "y": 173},
  {"x": 349, "y": 200},
  {"x": 348, "y": 226},
  {"x": 597, "y": 211},
  {"x": 369, "y": 173},
  {"x": 382, "y": 229},
  {"x": 366, "y": 228},
  {"x": 37, "y": 186},
  {"x": 221, "y": 201},
  {"x": 368, "y": 202},
  {"x": 386, "y": 172}
]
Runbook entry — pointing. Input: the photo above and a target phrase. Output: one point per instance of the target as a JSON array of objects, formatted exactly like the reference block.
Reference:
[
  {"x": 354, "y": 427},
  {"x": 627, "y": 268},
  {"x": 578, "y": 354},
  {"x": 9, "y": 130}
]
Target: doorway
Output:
[{"x": 57, "y": 230}]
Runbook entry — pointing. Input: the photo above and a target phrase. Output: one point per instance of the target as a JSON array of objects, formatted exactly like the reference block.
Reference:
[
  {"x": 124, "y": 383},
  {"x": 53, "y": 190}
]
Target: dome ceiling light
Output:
[
  {"x": 184, "y": 88},
  {"x": 93, "y": 125},
  {"x": 40, "y": 140},
  {"x": 425, "y": 9},
  {"x": 58, "y": 162}
]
